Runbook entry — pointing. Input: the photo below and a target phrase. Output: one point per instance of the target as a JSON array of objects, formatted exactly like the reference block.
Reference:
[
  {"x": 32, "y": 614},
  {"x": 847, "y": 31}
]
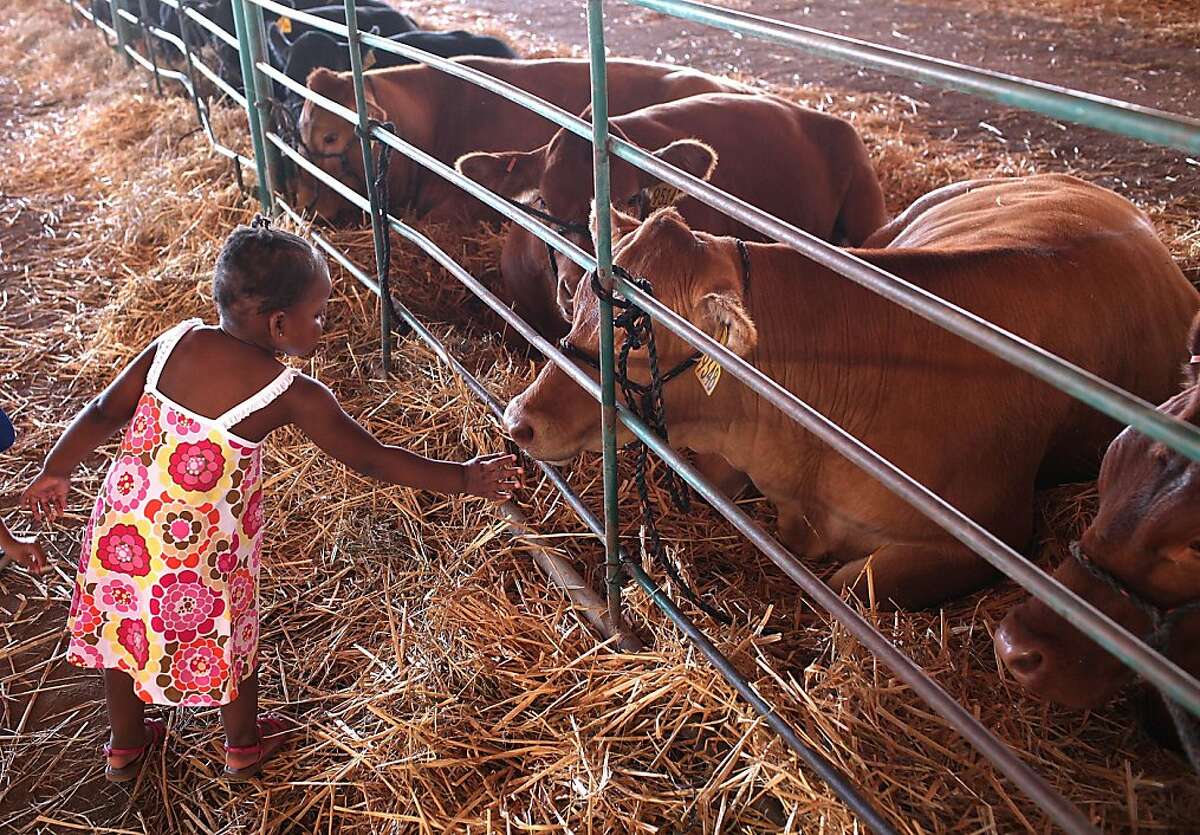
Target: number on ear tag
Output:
[
  {"x": 285, "y": 25},
  {"x": 369, "y": 59},
  {"x": 662, "y": 195},
  {"x": 707, "y": 370}
]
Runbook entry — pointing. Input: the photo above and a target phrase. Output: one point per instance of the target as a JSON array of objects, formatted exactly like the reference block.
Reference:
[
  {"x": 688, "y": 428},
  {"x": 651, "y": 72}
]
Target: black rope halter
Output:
[
  {"x": 645, "y": 400},
  {"x": 570, "y": 227},
  {"x": 562, "y": 227},
  {"x": 382, "y": 196},
  {"x": 1162, "y": 621}
]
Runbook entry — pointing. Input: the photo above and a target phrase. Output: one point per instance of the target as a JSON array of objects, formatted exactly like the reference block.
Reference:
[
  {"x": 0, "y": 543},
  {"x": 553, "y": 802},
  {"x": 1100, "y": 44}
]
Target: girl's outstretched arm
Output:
[
  {"x": 46, "y": 497},
  {"x": 316, "y": 412}
]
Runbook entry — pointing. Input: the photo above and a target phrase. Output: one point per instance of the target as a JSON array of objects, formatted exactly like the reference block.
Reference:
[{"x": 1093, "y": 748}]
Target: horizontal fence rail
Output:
[
  {"x": 1162, "y": 672},
  {"x": 900, "y": 664},
  {"x": 1121, "y": 117},
  {"x": 1096, "y": 392},
  {"x": 824, "y": 769},
  {"x": 181, "y": 78},
  {"x": 1145, "y": 123}
]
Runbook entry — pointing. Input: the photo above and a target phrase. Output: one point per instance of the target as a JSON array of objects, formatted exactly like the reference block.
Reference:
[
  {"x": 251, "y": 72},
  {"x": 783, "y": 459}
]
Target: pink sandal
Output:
[
  {"x": 156, "y": 732},
  {"x": 271, "y": 732}
]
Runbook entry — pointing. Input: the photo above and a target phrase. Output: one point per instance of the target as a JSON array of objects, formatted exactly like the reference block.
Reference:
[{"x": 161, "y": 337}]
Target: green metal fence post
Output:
[
  {"x": 250, "y": 53},
  {"x": 119, "y": 27},
  {"x": 379, "y": 230},
  {"x": 184, "y": 33},
  {"x": 608, "y": 407},
  {"x": 148, "y": 41}
]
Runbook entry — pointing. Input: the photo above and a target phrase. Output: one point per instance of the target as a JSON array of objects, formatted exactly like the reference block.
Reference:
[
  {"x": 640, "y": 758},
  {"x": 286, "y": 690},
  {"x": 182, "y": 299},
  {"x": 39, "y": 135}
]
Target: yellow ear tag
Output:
[
  {"x": 707, "y": 370},
  {"x": 369, "y": 59},
  {"x": 285, "y": 25},
  {"x": 661, "y": 196}
]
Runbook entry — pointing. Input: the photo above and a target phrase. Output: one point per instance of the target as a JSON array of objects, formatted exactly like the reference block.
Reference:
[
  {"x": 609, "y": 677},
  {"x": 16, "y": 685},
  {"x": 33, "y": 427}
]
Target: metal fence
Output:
[{"x": 1120, "y": 117}]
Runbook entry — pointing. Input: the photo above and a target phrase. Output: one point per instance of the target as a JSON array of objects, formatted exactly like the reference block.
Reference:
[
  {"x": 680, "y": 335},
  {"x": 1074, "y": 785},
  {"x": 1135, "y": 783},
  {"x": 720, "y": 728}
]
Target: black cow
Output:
[
  {"x": 220, "y": 12},
  {"x": 371, "y": 13},
  {"x": 383, "y": 20},
  {"x": 320, "y": 49},
  {"x": 102, "y": 9}
]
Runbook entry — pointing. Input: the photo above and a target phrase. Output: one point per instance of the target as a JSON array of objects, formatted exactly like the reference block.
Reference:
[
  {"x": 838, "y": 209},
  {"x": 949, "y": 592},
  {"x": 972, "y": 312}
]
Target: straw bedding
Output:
[{"x": 440, "y": 684}]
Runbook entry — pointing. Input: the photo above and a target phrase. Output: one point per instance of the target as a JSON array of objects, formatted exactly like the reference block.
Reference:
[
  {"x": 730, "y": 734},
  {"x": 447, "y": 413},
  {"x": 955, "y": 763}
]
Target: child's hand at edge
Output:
[
  {"x": 46, "y": 498},
  {"x": 492, "y": 476},
  {"x": 27, "y": 552}
]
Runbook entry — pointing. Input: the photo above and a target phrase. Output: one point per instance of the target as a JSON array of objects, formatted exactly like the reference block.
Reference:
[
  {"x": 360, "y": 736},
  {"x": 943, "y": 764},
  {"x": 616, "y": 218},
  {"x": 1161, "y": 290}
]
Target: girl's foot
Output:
[
  {"x": 124, "y": 763},
  {"x": 243, "y": 762}
]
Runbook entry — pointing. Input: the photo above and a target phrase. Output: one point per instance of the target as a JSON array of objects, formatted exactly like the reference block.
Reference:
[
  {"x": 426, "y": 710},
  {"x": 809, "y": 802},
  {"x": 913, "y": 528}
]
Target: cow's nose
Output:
[
  {"x": 521, "y": 432},
  {"x": 1021, "y": 659},
  {"x": 518, "y": 428},
  {"x": 1024, "y": 664}
]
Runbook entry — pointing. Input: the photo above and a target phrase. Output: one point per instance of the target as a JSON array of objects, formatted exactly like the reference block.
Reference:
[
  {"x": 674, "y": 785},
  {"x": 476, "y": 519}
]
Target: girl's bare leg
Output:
[
  {"x": 240, "y": 718},
  {"x": 126, "y": 715}
]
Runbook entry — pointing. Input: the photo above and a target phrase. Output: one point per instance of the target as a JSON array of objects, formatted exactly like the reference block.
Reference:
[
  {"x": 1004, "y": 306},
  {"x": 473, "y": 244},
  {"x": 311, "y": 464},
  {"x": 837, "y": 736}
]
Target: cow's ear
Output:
[
  {"x": 722, "y": 316},
  {"x": 690, "y": 155},
  {"x": 512, "y": 173},
  {"x": 622, "y": 225},
  {"x": 326, "y": 82}
]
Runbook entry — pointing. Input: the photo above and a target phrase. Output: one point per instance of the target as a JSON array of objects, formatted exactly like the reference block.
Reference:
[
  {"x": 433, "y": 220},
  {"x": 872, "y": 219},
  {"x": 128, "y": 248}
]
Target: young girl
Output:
[{"x": 166, "y": 598}]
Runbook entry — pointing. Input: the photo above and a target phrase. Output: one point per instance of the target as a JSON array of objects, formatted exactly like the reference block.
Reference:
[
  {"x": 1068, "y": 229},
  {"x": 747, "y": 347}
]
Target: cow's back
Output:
[
  {"x": 468, "y": 118},
  {"x": 1112, "y": 299},
  {"x": 1069, "y": 267},
  {"x": 476, "y": 119},
  {"x": 798, "y": 164}
]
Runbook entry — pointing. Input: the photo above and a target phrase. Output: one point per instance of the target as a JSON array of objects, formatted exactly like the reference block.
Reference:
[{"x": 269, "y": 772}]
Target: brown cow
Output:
[
  {"x": 1146, "y": 537},
  {"x": 449, "y": 117},
  {"x": 1067, "y": 265},
  {"x": 808, "y": 168}
]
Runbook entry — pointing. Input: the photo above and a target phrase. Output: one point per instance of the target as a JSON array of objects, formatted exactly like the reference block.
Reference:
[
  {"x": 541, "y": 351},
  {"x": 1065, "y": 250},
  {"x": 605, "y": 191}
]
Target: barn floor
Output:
[{"x": 440, "y": 684}]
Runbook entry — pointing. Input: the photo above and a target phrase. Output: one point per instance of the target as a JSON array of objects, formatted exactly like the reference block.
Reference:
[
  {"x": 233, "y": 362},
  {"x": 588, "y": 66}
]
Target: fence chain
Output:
[{"x": 646, "y": 402}]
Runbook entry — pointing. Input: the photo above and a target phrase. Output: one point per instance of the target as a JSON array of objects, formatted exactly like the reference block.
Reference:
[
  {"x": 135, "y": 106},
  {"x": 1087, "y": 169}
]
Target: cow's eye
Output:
[
  {"x": 330, "y": 138},
  {"x": 1195, "y": 546}
]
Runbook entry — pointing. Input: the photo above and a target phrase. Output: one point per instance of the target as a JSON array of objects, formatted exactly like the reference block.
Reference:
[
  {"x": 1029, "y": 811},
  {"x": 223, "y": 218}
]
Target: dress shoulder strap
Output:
[
  {"x": 259, "y": 400},
  {"x": 166, "y": 344}
]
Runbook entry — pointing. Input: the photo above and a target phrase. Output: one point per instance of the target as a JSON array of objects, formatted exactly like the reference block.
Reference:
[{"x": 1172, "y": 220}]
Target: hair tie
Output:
[{"x": 260, "y": 222}]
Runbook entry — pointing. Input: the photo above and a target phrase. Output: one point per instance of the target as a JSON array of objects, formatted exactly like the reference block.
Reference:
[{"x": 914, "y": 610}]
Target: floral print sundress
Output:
[{"x": 167, "y": 586}]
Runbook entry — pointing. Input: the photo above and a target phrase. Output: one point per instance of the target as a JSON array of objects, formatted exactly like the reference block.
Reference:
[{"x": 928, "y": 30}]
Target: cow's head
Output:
[
  {"x": 330, "y": 142},
  {"x": 1146, "y": 537},
  {"x": 698, "y": 276},
  {"x": 560, "y": 172}
]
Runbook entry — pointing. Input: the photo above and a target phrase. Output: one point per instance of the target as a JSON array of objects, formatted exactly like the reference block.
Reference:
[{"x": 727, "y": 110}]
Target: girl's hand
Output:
[
  {"x": 28, "y": 552},
  {"x": 46, "y": 498},
  {"x": 493, "y": 476}
]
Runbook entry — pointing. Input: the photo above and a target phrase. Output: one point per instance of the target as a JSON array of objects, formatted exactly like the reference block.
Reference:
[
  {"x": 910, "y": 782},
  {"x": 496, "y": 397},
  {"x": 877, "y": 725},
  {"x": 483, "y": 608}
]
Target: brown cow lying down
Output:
[
  {"x": 1067, "y": 265},
  {"x": 448, "y": 117},
  {"x": 1146, "y": 537},
  {"x": 805, "y": 167}
]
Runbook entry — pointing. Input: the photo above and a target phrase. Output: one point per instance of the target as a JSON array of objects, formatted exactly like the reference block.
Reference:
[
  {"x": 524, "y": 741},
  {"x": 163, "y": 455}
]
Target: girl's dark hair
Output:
[{"x": 264, "y": 269}]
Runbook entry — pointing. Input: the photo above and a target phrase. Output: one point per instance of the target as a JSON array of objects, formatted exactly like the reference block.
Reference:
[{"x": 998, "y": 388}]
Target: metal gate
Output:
[{"x": 1083, "y": 108}]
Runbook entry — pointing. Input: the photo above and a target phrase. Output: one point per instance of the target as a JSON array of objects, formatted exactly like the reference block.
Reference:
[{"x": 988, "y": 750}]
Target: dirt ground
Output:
[{"x": 45, "y": 701}]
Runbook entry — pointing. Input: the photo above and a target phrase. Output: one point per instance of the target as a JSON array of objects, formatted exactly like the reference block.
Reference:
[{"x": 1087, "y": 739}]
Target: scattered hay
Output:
[{"x": 441, "y": 685}]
